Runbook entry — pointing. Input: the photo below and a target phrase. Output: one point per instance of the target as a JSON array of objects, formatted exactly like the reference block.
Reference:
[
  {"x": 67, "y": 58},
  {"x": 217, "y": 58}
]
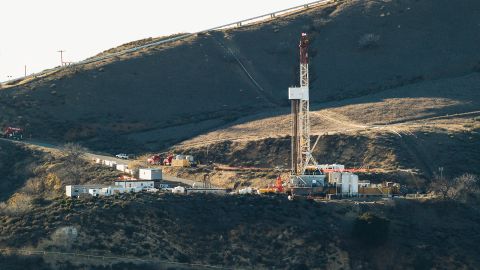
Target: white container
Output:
[
  {"x": 189, "y": 158},
  {"x": 110, "y": 163},
  {"x": 95, "y": 192},
  {"x": 112, "y": 190},
  {"x": 150, "y": 174},
  {"x": 247, "y": 190},
  {"x": 121, "y": 167},
  {"x": 179, "y": 157},
  {"x": 178, "y": 190},
  {"x": 335, "y": 178},
  {"x": 298, "y": 93},
  {"x": 141, "y": 184},
  {"x": 336, "y": 167}
]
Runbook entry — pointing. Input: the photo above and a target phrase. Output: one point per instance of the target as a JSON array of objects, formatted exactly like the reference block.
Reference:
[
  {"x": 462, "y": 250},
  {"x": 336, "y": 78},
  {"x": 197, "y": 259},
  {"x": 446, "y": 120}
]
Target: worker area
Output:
[{"x": 306, "y": 176}]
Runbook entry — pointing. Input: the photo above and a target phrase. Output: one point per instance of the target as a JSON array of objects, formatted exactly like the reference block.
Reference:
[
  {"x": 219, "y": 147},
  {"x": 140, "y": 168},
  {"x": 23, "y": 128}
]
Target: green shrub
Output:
[{"x": 371, "y": 229}]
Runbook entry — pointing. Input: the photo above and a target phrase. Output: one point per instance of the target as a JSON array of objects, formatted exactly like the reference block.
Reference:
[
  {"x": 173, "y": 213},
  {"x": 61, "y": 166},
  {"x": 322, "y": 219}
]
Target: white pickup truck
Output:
[{"x": 122, "y": 156}]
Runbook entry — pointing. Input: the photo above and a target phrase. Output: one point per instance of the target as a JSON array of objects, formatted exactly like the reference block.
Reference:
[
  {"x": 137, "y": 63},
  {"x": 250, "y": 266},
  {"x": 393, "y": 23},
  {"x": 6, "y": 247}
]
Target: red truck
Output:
[
  {"x": 13, "y": 133},
  {"x": 157, "y": 160}
]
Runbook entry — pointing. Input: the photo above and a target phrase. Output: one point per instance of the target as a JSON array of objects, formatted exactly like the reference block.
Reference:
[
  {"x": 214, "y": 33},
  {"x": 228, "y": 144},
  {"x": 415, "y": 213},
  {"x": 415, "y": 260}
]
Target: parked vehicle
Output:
[
  {"x": 13, "y": 133},
  {"x": 168, "y": 160},
  {"x": 155, "y": 160},
  {"x": 122, "y": 156}
]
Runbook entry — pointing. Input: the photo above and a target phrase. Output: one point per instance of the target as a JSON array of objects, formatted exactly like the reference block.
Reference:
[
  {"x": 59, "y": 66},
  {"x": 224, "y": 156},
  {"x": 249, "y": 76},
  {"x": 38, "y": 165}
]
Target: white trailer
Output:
[
  {"x": 77, "y": 190},
  {"x": 121, "y": 167},
  {"x": 95, "y": 192},
  {"x": 112, "y": 190},
  {"x": 218, "y": 191},
  {"x": 110, "y": 163},
  {"x": 134, "y": 183}
]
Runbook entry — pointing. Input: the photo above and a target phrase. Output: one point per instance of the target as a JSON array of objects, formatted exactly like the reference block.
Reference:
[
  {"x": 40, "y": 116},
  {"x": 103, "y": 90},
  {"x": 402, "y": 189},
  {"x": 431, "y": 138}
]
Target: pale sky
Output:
[{"x": 32, "y": 31}]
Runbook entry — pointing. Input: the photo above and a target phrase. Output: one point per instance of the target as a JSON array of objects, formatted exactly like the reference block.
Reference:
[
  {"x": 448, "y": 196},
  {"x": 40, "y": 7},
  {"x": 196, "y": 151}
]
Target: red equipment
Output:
[
  {"x": 155, "y": 159},
  {"x": 168, "y": 161},
  {"x": 13, "y": 133},
  {"x": 279, "y": 184}
]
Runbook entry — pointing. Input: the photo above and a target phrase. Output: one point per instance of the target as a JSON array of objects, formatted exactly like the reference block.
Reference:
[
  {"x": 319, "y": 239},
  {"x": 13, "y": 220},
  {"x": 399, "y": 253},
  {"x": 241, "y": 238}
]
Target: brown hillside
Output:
[{"x": 162, "y": 95}]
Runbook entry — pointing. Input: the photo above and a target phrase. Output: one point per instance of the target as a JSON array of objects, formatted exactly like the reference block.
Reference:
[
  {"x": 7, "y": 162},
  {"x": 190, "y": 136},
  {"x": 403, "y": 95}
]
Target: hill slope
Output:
[{"x": 178, "y": 90}]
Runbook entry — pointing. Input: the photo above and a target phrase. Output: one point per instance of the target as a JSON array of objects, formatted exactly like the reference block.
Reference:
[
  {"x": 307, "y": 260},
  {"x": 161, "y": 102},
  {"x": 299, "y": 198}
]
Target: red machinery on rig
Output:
[{"x": 13, "y": 133}]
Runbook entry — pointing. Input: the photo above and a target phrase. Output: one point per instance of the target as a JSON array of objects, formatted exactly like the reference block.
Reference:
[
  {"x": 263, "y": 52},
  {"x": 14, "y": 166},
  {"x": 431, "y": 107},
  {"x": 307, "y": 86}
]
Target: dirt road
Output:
[{"x": 90, "y": 155}]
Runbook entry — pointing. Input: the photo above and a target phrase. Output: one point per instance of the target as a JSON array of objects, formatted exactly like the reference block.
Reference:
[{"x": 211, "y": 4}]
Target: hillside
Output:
[
  {"x": 156, "y": 97},
  {"x": 166, "y": 231},
  {"x": 395, "y": 87}
]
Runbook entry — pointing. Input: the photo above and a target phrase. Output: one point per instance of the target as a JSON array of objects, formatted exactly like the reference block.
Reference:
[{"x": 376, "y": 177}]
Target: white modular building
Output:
[
  {"x": 150, "y": 174},
  {"x": 110, "y": 163},
  {"x": 95, "y": 192},
  {"x": 121, "y": 167},
  {"x": 218, "y": 191},
  {"x": 133, "y": 184},
  {"x": 112, "y": 190},
  {"x": 77, "y": 190}
]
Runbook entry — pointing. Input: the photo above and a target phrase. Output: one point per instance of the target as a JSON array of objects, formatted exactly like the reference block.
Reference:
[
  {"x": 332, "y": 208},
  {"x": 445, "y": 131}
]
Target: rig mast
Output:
[{"x": 299, "y": 96}]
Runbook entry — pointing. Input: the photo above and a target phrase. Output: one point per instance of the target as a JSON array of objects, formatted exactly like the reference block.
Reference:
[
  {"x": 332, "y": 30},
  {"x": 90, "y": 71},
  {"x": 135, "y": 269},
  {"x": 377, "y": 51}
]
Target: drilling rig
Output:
[{"x": 305, "y": 173}]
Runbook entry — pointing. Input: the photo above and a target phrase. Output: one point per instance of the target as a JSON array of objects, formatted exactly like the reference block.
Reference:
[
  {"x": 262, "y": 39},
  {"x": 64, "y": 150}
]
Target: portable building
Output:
[
  {"x": 134, "y": 183},
  {"x": 110, "y": 163},
  {"x": 150, "y": 174},
  {"x": 121, "y": 167},
  {"x": 95, "y": 192},
  {"x": 78, "y": 190},
  {"x": 218, "y": 191},
  {"x": 112, "y": 190}
]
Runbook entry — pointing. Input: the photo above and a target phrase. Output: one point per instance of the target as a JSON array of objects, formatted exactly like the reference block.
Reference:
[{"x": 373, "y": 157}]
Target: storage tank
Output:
[
  {"x": 189, "y": 158},
  {"x": 354, "y": 184},
  {"x": 346, "y": 183}
]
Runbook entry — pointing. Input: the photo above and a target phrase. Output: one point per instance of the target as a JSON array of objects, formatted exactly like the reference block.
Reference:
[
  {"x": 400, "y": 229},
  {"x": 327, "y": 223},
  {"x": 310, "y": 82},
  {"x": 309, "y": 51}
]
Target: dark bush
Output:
[{"x": 371, "y": 229}]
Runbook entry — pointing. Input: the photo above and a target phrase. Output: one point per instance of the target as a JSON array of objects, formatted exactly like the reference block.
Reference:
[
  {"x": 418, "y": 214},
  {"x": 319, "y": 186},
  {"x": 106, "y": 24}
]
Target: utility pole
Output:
[
  {"x": 61, "y": 56},
  {"x": 441, "y": 173},
  {"x": 25, "y": 70}
]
